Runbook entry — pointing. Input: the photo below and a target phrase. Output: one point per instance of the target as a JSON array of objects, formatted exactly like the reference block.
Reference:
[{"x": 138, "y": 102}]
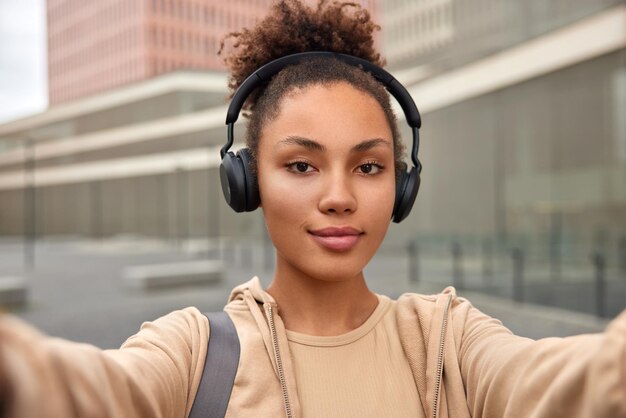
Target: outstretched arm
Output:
[
  {"x": 505, "y": 375},
  {"x": 154, "y": 374}
]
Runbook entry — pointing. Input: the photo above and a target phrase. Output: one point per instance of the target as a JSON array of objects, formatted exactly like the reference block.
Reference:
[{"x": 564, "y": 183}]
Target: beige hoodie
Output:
[{"x": 464, "y": 364}]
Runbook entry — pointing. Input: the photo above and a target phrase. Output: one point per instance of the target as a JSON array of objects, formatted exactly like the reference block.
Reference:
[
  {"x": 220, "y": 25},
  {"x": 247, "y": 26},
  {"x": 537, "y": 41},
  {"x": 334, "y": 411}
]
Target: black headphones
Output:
[{"x": 239, "y": 183}]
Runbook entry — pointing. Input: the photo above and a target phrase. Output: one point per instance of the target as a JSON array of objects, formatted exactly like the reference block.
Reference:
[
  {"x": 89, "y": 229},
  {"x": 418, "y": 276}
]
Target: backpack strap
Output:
[{"x": 220, "y": 368}]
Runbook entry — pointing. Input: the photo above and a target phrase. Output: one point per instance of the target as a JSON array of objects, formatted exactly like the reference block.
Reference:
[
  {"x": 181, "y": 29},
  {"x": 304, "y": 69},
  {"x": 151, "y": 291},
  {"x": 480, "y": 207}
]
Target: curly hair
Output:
[{"x": 291, "y": 27}]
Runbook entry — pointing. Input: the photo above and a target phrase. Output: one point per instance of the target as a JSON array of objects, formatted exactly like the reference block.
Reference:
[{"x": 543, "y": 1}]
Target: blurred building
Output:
[
  {"x": 138, "y": 159},
  {"x": 524, "y": 137},
  {"x": 95, "y": 46},
  {"x": 448, "y": 33},
  {"x": 524, "y": 104}
]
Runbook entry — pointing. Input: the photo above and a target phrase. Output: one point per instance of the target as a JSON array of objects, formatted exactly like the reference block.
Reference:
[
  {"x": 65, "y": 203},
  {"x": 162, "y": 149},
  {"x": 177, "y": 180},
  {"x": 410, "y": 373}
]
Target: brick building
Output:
[{"x": 96, "y": 46}]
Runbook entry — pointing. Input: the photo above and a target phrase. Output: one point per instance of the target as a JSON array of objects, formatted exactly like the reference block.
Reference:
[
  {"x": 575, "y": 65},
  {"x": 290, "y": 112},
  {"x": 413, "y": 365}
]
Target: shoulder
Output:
[
  {"x": 432, "y": 311},
  {"x": 188, "y": 318},
  {"x": 443, "y": 302},
  {"x": 180, "y": 328}
]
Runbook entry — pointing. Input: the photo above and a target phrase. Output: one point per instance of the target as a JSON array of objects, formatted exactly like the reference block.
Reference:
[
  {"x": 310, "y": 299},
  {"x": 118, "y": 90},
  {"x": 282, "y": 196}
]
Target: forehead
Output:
[{"x": 335, "y": 115}]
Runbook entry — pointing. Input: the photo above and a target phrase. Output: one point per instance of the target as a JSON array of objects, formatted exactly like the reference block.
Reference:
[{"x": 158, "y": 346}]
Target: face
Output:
[{"x": 327, "y": 181}]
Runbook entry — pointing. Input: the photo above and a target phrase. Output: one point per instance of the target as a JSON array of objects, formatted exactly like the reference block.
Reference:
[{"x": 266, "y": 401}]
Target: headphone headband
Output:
[{"x": 266, "y": 72}]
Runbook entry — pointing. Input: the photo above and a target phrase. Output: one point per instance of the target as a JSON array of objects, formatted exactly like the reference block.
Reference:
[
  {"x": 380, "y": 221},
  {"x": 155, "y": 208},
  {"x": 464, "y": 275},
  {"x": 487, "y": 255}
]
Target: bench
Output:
[
  {"x": 12, "y": 290},
  {"x": 153, "y": 276}
]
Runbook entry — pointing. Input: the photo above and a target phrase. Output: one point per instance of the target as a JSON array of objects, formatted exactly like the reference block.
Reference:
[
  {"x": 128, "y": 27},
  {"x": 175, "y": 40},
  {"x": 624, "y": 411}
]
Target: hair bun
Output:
[{"x": 292, "y": 27}]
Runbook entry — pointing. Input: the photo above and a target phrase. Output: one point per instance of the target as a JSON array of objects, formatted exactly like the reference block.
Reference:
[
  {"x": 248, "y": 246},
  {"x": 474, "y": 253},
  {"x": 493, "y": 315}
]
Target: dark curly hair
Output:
[{"x": 292, "y": 27}]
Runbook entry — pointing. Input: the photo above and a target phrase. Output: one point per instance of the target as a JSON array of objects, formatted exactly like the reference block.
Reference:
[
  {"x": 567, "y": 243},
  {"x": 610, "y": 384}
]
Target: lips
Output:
[{"x": 337, "y": 238}]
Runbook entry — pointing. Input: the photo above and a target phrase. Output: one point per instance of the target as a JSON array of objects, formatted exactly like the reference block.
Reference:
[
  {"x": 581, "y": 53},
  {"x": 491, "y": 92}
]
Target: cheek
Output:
[
  {"x": 284, "y": 201},
  {"x": 285, "y": 210},
  {"x": 376, "y": 203}
]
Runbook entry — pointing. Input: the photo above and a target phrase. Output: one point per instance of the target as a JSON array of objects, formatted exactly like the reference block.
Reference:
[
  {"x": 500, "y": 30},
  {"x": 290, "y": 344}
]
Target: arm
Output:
[
  {"x": 155, "y": 373},
  {"x": 506, "y": 375}
]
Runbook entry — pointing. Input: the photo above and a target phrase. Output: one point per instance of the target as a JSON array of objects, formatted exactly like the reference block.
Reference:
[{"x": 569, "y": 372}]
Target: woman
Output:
[{"x": 324, "y": 147}]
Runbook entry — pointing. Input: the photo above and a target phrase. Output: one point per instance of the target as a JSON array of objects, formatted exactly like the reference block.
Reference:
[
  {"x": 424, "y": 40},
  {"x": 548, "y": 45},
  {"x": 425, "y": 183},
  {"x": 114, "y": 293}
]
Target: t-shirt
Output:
[{"x": 363, "y": 373}]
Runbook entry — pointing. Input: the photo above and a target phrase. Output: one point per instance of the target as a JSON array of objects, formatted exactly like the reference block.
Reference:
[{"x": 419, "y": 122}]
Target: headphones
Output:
[{"x": 239, "y": 183}]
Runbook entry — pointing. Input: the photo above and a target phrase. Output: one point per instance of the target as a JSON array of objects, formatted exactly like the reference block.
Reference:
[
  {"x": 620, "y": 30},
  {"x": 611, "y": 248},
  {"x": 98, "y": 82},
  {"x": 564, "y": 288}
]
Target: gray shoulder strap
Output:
[{"x": 220, "y": 368}]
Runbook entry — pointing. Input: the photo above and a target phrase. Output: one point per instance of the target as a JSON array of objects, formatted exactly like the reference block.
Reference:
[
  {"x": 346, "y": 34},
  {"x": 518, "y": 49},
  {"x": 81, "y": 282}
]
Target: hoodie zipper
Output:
[
  {"x": 440, "y": 359},
  {"x": 279, "y": 363}
]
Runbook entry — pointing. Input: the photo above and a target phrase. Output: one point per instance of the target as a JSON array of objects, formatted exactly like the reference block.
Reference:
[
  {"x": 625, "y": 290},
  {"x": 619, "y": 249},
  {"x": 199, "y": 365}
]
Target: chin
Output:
[
  {"x": 327, "y": 266},
  {"x": 331, "y": 273}
]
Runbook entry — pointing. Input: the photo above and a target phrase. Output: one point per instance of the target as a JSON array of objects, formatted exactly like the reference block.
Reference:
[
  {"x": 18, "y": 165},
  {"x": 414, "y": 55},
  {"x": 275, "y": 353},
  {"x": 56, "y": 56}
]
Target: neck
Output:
[{"x": 315, "y": 306}]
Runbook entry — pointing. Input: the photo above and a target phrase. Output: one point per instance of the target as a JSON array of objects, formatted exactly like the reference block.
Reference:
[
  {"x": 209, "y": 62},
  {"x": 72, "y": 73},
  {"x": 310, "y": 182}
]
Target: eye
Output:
[
  {"x": 370, "y": 168},
  {"x": 300, "y": 167}
]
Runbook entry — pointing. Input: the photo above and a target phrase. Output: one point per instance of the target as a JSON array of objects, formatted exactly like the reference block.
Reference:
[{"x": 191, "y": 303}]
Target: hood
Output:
[
  {"x": 252, "y": 288},
  {"x": 264, "y": 311},
  {"x": 256, "y": 300}
]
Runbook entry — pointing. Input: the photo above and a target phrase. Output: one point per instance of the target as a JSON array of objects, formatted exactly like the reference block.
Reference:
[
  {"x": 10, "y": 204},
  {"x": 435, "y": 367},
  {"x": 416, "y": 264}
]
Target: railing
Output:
[{"x": 585, "y": 278}]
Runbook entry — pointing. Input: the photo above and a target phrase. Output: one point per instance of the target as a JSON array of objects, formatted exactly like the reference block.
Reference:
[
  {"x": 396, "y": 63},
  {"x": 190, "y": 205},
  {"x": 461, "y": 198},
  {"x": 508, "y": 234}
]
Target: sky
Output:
[{"x": 23, "y": 74}]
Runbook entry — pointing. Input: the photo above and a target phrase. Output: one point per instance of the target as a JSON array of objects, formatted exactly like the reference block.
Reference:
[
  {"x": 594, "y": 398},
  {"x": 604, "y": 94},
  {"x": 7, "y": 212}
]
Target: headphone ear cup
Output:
[
  {"x": 232, "y": 178},
  {"x": 400, "y": 187},
  {"x": 406, "y": 191},
  {"x": 253, "y": 198}
]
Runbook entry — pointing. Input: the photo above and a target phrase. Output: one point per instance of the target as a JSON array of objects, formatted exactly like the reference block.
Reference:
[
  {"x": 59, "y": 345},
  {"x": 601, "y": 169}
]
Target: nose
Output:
[{"x": 338, "y": 196}]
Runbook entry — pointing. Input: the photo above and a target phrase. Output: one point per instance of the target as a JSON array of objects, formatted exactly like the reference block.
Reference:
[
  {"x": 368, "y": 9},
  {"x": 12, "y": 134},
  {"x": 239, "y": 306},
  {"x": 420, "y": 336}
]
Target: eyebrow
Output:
[
  {"x": 316, "y": 146},
  {"x": 369, "y": 144},
  {"x": 303, "y": 142}
]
